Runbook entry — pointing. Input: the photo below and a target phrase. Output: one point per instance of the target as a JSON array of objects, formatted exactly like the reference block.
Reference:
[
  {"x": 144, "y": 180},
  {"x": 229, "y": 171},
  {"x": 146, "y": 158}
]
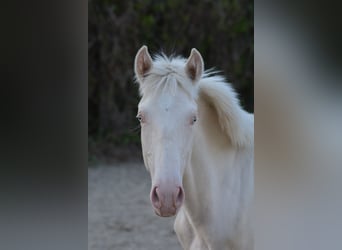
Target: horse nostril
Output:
[
  {"x": 179, "y": 197},
  {"x": 155, "y": 198}
]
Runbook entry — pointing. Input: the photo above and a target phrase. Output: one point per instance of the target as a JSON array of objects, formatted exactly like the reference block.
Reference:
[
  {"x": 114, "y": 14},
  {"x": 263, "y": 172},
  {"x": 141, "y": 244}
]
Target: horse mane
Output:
[
  {"x": 167, "y": 74},
  {"x": 235, "y": 122}
]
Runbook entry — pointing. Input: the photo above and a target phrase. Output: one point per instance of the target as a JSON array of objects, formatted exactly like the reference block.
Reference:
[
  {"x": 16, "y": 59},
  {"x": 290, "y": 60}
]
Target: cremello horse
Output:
[{"x": 197, "y": 144}]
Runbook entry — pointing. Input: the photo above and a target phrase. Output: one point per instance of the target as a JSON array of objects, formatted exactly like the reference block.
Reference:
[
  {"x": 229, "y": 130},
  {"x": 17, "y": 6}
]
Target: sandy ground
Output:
[{"x": 119, "y": 212}]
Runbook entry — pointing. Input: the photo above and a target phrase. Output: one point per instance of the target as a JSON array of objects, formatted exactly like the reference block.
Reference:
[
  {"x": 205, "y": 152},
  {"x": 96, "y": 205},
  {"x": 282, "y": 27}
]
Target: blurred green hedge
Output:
[{"x": 221, "y": 30}]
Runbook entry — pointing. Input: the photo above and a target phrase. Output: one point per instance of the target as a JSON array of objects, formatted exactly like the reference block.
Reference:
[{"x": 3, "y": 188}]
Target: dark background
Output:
[
  {"x": 44, "y": 84},
  {"x": 221, "y": 30}
]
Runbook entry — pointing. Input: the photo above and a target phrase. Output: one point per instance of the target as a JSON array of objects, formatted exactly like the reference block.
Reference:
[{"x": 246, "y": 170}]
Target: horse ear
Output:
[
  {"x": 194, "y": 66},
  {"x": 142, "y": 63}
]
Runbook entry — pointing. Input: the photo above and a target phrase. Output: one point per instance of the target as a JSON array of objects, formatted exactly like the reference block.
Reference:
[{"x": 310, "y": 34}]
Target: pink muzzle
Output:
[{"x": 166, "y": 200}]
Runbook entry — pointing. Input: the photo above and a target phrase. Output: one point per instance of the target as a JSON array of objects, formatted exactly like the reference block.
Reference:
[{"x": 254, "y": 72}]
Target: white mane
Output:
[
  {"x": 233, "y": 120},
  {"x": 168, "y": 74}
]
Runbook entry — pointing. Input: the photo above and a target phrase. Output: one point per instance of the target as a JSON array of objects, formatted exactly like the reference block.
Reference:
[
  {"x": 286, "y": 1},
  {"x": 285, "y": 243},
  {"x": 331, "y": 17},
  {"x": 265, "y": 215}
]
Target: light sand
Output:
[{"x": 120, "y": 215}]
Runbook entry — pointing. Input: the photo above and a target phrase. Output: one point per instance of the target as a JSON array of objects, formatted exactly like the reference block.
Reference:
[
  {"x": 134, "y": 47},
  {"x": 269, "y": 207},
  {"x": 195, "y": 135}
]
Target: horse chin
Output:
[{"x": 165, "y": 213}]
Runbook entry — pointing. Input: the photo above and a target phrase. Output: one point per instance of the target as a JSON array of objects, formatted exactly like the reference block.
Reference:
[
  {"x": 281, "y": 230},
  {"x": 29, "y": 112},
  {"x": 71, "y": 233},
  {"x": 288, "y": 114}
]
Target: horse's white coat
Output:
[{"x": 212, "y": 158}]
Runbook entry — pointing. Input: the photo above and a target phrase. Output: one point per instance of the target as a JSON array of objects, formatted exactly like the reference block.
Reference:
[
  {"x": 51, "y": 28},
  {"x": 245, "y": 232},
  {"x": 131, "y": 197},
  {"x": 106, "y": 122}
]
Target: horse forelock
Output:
[{"x": 166, "y": 76}]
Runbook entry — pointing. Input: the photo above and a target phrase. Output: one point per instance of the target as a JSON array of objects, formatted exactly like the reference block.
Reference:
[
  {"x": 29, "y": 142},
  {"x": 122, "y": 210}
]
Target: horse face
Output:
[
  {"x": 167, "y": 124},
  {"x": 168, "y": 118}
]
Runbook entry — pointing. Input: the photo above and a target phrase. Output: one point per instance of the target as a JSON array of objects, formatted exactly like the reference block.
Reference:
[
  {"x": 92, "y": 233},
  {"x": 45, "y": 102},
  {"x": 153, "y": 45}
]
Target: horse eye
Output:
[
  {"x": 194, "y": 119},
  {"x": 139, "y": 118}
]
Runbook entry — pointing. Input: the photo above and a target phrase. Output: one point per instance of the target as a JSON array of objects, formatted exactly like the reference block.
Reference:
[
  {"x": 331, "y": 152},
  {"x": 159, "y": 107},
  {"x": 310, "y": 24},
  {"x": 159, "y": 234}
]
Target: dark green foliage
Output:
[{"x": 221, "y": 30}]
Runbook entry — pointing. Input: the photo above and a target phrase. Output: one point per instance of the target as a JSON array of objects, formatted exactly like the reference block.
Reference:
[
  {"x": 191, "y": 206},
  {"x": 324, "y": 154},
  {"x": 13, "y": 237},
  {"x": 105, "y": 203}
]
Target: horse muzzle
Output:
[{"x": 166, "y": 200}]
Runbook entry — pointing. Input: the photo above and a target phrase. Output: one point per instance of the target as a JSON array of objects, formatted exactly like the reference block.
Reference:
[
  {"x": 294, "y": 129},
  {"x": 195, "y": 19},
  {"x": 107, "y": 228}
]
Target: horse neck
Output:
[
  {"x": 212, "y": 158},
  {"x": 222, "y": 153}
]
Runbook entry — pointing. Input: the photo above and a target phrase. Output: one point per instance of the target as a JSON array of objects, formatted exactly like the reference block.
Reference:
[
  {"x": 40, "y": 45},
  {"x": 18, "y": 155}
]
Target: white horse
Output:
[{"x": 197, "y": 144}]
